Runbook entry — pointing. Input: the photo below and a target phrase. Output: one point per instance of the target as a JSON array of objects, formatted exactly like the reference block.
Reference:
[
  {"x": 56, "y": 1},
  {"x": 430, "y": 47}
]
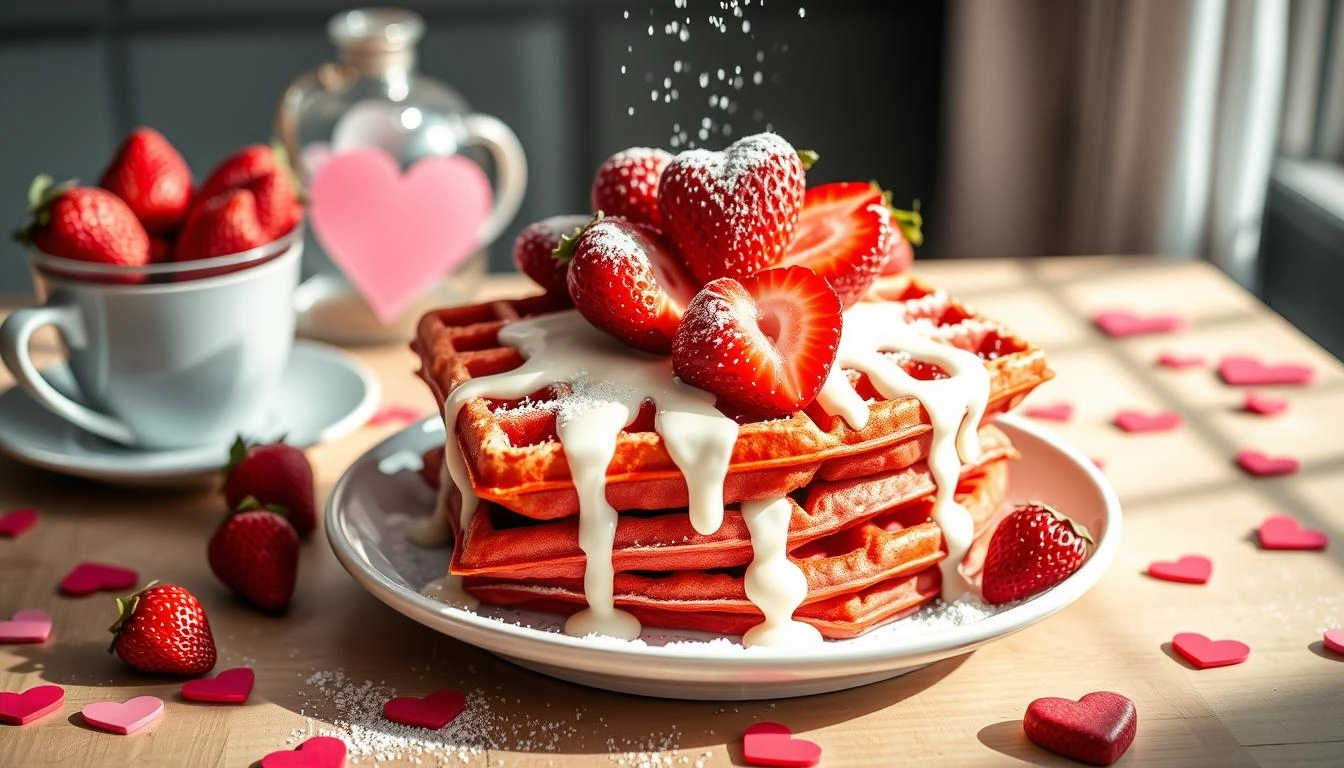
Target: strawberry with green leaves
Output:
[
  {"x": 534, "y": 252},
  {"x": 163, "y": 629},
  {"x": 1034, "y": 548},
  {"x": 277, "y": 476},
  {"x": 151, "y": 177},
  {"x": 255, "y": 552},
  {"x": 83, "y": 223}
]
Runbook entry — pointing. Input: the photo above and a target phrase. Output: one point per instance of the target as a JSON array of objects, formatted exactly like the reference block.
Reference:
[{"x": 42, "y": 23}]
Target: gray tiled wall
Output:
[{"x": 858, "y": 82}]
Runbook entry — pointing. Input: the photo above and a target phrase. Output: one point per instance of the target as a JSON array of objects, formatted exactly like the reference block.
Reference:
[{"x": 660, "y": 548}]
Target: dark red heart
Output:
[
  {"x": 317, "y": 752},
  {"x": 1283, "y": 532},
  {"x": 1243, "y": 370},
  {"x": 17, "y": 522},
  {"x": 87, "y": 578},
  {"x": 1056, "y": 412},
  {"x": 1263, "y": 405},
  {"x": 232, "y": 686},
  {"x": 1136, "y": 421},
  {"x": 1095, "y": 729},
  {"x": 1205, "y": 653},
  {"x": 1258, "y": 464},
  {"x": 774, "y": 744},
  {"x": 23, "y": 708},
  {"x": 1190, "y": 569},
  {"x": 1120, "y": 323},
  {"x": 432, "y": 711}
]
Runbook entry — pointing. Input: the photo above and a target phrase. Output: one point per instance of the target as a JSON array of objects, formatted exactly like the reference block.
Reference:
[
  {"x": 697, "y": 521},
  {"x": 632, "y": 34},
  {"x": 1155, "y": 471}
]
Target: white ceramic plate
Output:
[{"x": 381, "y": 493}]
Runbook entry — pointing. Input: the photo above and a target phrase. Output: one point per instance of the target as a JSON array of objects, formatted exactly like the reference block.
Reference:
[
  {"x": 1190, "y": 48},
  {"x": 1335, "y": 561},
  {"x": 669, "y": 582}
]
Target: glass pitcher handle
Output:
[{"x": 510, "y": 170}]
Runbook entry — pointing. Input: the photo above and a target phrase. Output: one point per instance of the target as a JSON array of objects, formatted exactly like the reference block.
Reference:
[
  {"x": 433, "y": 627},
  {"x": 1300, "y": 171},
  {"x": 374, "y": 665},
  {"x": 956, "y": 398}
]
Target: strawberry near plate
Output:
[{"x": 377, "y": 498}]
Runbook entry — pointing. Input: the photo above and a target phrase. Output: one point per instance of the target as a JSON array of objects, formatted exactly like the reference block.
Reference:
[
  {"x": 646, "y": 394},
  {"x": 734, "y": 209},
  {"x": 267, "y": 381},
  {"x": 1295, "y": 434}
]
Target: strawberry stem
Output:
[
  {"x": 564, "y": 251},
  {"x": 911, "y": 222},
  {"x": 808, "y": 158},
  {"x": 125, "y": 609},
  {"x": 41, "y": 194}
]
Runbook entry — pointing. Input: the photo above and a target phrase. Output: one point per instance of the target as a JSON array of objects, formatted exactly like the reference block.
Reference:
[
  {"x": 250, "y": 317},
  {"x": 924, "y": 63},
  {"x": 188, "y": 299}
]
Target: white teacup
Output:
[{"x": 166, "y": 356}]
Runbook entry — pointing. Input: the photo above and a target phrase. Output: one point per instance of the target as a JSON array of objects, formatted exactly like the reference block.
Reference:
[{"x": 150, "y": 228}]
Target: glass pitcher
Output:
[{"x": 374, "y": 97}]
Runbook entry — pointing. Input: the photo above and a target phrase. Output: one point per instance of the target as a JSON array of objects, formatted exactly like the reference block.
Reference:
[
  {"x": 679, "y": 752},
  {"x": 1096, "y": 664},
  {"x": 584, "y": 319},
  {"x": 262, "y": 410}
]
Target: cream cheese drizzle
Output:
[{"x": 774, "y": 583}]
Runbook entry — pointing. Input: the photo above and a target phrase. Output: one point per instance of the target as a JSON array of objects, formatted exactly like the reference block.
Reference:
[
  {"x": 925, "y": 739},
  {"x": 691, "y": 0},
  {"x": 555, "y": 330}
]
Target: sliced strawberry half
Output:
[
  {"x": 762, "y": 344},
  {"x": 843, "y": 234},
  {"x": 627, "y": 280}
]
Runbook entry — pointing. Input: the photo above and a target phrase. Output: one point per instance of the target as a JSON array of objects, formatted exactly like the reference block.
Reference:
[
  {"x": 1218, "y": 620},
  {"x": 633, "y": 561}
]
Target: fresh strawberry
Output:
[
  {"x": 257, "y": 169},
  {"x": 431, "y": 466},
  {"x": 163, "y": 628},
  {"x": 255, "y": 552},
  {"x": 626, "y": 185},
  {"x": 625, "y": 279},
  {"x": 83, "y": 223},
  {"x": 534, "y": 252},
  {"x": 1034, "y": 548},
  {"x": 240, "y": 169},
  {"x": 843, "y": 235},
  {"x": 278, "y": 476},
  {"x": 763, "y": 344},
  {"x": 160, "y": 250},
  {"x": 733, "y": 213},
  {"x": 153, "y": 179},
  {"x": 909, "y": 233},
  {"x": 221, "y": 226}
]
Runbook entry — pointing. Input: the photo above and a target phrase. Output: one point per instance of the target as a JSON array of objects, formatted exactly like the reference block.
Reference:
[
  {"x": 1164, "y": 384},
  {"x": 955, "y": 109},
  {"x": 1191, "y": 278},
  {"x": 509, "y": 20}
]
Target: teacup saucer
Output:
[{"x": 323, "y": 394}]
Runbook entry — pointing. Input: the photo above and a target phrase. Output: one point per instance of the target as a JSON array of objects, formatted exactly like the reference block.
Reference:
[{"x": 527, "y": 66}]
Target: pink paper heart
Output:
[
  {"x": 1258, "y": 464},
  {"x": 1136, "y": 421},
  {"x": 232, "y": 686},
  {"x": 17, "y": 522},
  {"x": 432, "y": 711},
  {"x": 123, "y": 717},
  {"x": 1120, "y": 323},
  {"x": 317, "y": 752},
  {"x": 29, "y": 626},
  {"x": 1179, "y": 362},
  {"x": 1054, "y": 412},
  {"x": 1334, "y": 639},
  {"x": 1263, "y": 405},
  {"x": 87, "y": 578},
  {"x": 1096, "y": 729},
  {"x": 1190, "y": 569},
  {"x": 394, "y": 414},
  {"x": 1283, "y": 532},
  {"x": 1244, "y": 370},
  {"x": 774, "y": 744},
  {"x": 1205, "y": 653},
  {"x": 24, "y": 708},
  {"x": 392, "y": 234}
]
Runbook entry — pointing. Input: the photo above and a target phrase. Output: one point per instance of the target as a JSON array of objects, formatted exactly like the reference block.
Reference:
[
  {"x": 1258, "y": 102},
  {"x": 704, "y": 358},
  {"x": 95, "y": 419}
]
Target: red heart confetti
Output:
[
  {"x": 394, "y": 414},
  {"x": 1190, "y": 569},
  {"x": 87, "y": 578},
  {"x": 1283, "y": 532},
  {"x": 1258, "y": 464},
  {"x": 24, "y": 708},
  {"x": 1205, "y": 653},
  {"x": 1119, "y": 323},
  {"x": 1264, "y": 405},
  {"x": 1334, "y": 639},
  {"x": 1055, "y": 412},
  {"x": 232, "y": 686},
  {"x": 433, "y": 711},
  {"x": 1243, "y": 370},
  {"x": 17, "y": 522},
  {"x": 28, "y": 626},
  {"x": 123, "y": 717},
  {"x": 774, "y": 744},
  {"x": 1137, "y": 421},
  {"x": 1095, "y": 729},
  {"x": 1179, "y": 362},
  {"x": 317, "y": 752}
]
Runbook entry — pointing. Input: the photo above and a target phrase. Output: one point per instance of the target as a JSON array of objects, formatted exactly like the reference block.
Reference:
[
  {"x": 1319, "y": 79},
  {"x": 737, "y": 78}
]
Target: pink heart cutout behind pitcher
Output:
[{"x": 394, "y": 235}]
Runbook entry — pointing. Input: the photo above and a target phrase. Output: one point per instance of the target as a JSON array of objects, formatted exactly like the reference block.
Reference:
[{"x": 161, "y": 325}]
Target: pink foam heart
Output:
[
  {"x": 1334, "y": 639},
  {"x": 1096, "y": 729},
  {"x": 1205, "y": 653},
  {"x": 1137, "y": 421},
  {"x": 317, "y": 752},
  {"x": 432, "y": 711},
  {"x": 1120, "y": 323},
  {"x": 1258, "y": 464},
  {"x": 1264, "y": 405},
  {"x": 87, "y": 578},
  {"x": 1283, "y": 532},
  {"x": 17, "y": 522},
  {"x": 1243, "y": 370},
  {"x": 232, "y": 686},
  {"x": 123, "y": 716},
  {"x": 1190, "y": 569},
  {"x": 774, "y": 744},
  {"x": 24, "y": 708},
  {"x": 1178, "y": 361},
  {"x": 29, "y": 626},
  {"x": 395, "y": 235},
  {"x": 1054, "y": 412},
  {"x": 394, "y": 414}
]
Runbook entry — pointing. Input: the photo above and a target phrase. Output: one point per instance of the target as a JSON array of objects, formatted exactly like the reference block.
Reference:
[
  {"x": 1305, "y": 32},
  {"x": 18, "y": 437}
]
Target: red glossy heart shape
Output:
[
  {"x": 433, "y": 711},
  {"x": 1055, "y": 412},
  {"x": 1244, "y": 370},
  {"x": 1283, "y": 532},
  {"x": 317, "y": 752},
  {"x": 1264, "y": 405},
  {"x": 1120, "y": 323},
  {"x": 774, "y": 744},
  {"x": 24, "y": 708},
  {"x": 17, "y": 522},
  {"x": 232, "y": 686},
  {"x": 1334, "y": 639},
  {"x": 1139, "y": 422},
  {"x": 1205, "y": 653},
  {"x": 1258, "y": 464},
  {"x": 87, "y": 578},
  {"x": 28, "y": 626},
  {"x": 1095, "y": 729},
  {"x": 1190, "y": 569},
  {"x": 1178, "y": 361}
]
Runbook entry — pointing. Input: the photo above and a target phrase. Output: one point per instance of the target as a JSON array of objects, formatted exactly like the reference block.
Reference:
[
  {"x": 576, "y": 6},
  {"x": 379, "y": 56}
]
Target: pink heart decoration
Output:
[
  {"x": 1119, "y": 323},
  {"x": 433, "y": 711},
  {"x": 17, "y": 522},
  {"x": 1096, "y": 729},
  {"x": 30, "y": 626},
  {"x": 1334, "y": 639},
  {"x": 1136, "y": 421},
  {"x": 24, "y": 708},
  {"x": 87, "y": 578},
  {"x": 1264, "y": 405},
  {"x": 317, "y": 752},
  {"x": 123, "y": 717},
  {"x": 232, "y": 686},
  {"x": 1283, "y": 532},
  {"x": 1243, "y": 370},
  {"x": 1205, "y": 653},
  {"x": 394, "y": 414},
  {"x": 394, "y": 235},
  {"x": 1258, "y": 464},
  {"x": 1190, "y": 569},
  {"x": 1179, "y": 362},
  {"x": 1055, "y": 412},
  {"x": 774, "y": 744}
]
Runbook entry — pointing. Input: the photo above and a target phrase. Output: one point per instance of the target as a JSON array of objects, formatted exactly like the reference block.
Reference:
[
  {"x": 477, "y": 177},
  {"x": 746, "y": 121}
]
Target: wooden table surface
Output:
[{"x": 327, "y": 665}]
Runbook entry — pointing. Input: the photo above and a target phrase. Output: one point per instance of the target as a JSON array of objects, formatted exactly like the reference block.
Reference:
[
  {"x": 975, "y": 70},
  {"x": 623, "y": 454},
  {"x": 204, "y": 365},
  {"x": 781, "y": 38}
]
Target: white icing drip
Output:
[{"x": 774, "y": 583}]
